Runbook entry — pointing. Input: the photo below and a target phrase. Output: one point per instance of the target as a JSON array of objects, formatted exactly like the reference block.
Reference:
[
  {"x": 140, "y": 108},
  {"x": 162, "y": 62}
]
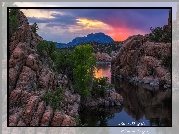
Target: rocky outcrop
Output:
[
  {"x": 103, "y": 57},
  {"x": 142, "y": 62},
  {"x": 30, "y": 78},
  {"x": 111, "y": 99}
]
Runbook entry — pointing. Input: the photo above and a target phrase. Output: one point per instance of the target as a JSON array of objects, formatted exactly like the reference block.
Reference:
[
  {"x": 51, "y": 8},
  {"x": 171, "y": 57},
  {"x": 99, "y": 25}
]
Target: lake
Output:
[{"x": 143, "y": 105}]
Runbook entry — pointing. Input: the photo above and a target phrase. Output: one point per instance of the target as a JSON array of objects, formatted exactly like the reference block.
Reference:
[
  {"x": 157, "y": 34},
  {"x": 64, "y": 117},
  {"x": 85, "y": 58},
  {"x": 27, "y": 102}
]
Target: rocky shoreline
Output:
[
  {"x": 136, "y": 80},
  {"x": 103, "y": 63},
  {"x": 111, "y": 99}
]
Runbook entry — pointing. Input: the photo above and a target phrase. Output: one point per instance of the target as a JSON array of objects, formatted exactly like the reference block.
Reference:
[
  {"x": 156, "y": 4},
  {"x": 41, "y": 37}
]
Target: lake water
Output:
[{"x": 143, "y": 105}]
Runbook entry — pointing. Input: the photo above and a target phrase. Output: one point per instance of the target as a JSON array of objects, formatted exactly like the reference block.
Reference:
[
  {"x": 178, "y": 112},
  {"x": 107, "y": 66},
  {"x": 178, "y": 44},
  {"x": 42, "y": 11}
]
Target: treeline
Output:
[{"x": 98, "y": 47}]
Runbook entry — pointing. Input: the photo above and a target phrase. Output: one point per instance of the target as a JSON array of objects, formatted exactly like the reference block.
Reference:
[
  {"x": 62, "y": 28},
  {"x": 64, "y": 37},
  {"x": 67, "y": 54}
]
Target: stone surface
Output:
[
  {"x": 47, "y": 116},
  {"x": 103, "y": 57},
  {"x": 142, "y": 61}
]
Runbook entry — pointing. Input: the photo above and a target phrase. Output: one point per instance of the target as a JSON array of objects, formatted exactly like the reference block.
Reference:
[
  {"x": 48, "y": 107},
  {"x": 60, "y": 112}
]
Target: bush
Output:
[
  {"x": 64, "y": 62},
  {"x": 159, "y": 35},
  {"x": 54, "y": 99},
  {"x": 156, "y": 34},
  {"x": 35, "y": 28},
  {"x": 46, "y": 46},
  {"x": 99, "y": 86},
  {"x": 13, "y": 21},
  {"x": 166, "y": 61}
]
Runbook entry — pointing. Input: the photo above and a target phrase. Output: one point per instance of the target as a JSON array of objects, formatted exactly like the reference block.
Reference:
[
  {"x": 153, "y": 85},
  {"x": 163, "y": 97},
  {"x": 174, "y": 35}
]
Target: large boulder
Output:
[{"x": 140, "y": 59}]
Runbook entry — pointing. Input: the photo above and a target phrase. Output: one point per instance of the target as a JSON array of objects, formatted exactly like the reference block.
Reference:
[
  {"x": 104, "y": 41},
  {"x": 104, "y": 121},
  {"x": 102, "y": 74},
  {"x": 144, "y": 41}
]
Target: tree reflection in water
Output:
[{"x": 150, "y": 105}]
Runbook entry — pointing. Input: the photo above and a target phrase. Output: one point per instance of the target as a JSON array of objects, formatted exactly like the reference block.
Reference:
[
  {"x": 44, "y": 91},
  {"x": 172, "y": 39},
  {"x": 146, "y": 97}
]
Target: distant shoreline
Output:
[{"x": 103, "y": 62}]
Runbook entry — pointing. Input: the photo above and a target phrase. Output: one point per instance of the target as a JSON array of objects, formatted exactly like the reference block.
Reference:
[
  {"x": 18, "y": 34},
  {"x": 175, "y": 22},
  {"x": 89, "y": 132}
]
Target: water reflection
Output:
[
  {"x": 145, "y": 101},
  {"x": 143, "y": 105},
  {"x": 103, "y": 70}
]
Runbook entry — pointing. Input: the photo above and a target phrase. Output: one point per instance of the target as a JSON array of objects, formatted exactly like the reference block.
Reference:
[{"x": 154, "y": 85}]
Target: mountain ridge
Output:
[{"x": 93, "y": 37}]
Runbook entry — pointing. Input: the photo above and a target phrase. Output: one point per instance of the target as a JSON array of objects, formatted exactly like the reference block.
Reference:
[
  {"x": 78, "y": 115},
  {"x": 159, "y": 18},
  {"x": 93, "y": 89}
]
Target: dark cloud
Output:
[
  {"x": 141, "y": 19},
  {"x": 57, "y": 20},
  {"x": 131, "y": 18}
]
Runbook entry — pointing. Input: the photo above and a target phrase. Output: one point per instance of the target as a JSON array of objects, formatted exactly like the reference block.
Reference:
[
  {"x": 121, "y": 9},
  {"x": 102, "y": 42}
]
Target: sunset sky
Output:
[{"x": 63, "y": 25}]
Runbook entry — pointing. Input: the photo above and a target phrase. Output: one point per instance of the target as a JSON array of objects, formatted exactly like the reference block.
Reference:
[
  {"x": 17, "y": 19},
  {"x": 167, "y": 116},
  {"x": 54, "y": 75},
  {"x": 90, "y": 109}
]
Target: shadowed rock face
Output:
[
  {"x": 30, "y": 78},
  {"x": 141, "y": 61}
]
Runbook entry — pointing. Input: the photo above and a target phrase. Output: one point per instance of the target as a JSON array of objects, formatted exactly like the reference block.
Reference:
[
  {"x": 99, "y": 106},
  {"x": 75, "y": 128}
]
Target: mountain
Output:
[{"x": 97, "y": 37}]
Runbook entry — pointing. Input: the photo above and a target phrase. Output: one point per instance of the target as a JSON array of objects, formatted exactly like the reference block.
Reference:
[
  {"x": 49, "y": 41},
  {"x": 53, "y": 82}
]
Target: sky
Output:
[{"x": 63, "y": 25}]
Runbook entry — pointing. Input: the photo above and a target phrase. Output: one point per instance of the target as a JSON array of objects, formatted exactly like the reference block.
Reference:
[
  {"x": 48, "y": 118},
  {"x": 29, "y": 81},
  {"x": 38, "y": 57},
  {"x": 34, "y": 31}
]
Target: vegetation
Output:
[
  {"x": 54, "y": 99},
  {"x": 35, "y": 28},
  {"x": 98, "y": 47},
  {"x": 45, "y": 48},
  {"x": 13, "y": 21},
  {"x": 166, "y": 61},
  {"x": 159, "y": 35},
  {"x": 78, "y": 65},
  {"x": 84, "y": 65},
  {"x": 64, "y": 61},
  {"x": 99, "y": 86}
]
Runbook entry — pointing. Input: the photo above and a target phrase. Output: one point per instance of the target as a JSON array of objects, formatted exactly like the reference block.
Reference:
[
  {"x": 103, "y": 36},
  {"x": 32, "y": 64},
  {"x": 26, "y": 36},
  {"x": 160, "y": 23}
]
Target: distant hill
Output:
[{"x": 97, "y": 37}]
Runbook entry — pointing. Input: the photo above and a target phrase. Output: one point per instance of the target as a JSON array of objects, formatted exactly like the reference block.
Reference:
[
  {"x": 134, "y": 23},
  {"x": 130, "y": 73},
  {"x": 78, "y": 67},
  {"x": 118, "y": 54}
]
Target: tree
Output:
[
  {"x": 160, "y": 35},
  {"x": 13, "y": 21},
  {"x": 4, "y": 27},
  {"x": 156, "y": 34},
  {"x": 64, "y": 62},
  {"x": 46, "y": 46},
  {"x": 35, "y": 28},
  {"x": 84, "y": 65}
]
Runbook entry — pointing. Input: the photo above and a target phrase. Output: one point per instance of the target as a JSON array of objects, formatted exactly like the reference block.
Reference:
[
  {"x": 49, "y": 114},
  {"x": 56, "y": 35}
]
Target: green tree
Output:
[
  {"x": 13, "y": 21},
  {"x": 46, "y": 46},
  {"x": 84, "y": 65},
  {"x": 64, "y": 62},
  {"x": 159, "y": 35},
  {"x": 156, "y": 34},
  {"x": 54, "y": 99},
  {"x": 35, "y": 28}
]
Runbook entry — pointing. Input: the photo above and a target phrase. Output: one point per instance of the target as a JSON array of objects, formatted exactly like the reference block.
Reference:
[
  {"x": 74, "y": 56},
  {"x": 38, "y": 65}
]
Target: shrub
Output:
[
  {"x": 35, "y": 28},
  {"x": 99, "y": 86},
  {"x": 166, "y": 61},
  {"x": 64, "y": 62},
  {"x": 159, "y": 35},
  {"x": 54, "y": 99},
  {"x": 13, "y": 21},
  {"x": 156, "y": 34},
  {"x": 46, "y": 46}
]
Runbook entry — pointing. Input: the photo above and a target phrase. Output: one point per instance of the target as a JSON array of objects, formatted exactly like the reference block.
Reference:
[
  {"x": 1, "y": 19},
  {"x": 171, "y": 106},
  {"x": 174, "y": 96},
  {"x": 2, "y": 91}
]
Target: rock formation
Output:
[
  {"x": 111, "y": 99},
  {"x": 142, "y": 62},
  {"x": 103, "y": 57},
  {"x": 30, "y": 78}
]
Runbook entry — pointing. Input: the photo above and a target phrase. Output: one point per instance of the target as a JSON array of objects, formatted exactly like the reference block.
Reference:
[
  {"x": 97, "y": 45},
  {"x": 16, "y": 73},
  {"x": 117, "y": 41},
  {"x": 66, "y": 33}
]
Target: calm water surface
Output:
[{"x": 143, "y": 105}]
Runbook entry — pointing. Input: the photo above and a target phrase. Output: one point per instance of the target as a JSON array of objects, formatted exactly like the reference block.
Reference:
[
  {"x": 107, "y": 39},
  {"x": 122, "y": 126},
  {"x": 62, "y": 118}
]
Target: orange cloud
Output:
[{"x": 91, "y": 23}]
